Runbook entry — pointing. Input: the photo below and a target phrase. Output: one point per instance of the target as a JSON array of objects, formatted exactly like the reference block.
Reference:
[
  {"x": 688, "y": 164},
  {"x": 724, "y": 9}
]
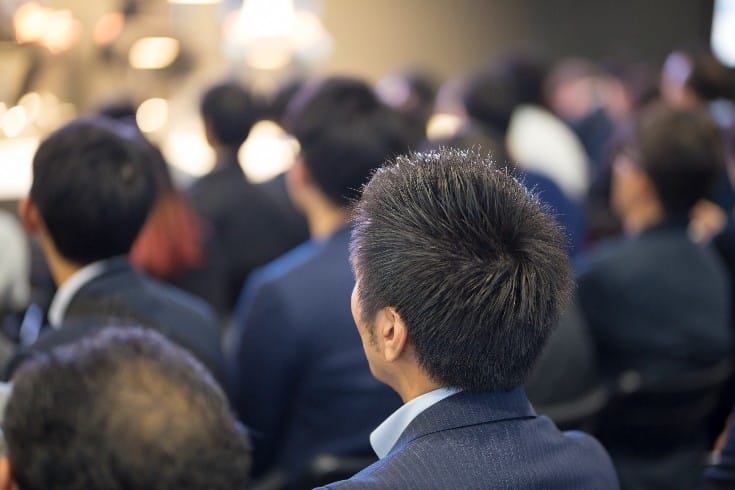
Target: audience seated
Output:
[
  {"x": 92, "y": 190},
  {"x": 120, "y": 409},
  {"x": 460, "y": 278},
  {"x": 657, "y": 303},
  {"x": 300, "y": 379},
  {"x": 249, "y": 226},
  {"x": 637, "y": 293}
]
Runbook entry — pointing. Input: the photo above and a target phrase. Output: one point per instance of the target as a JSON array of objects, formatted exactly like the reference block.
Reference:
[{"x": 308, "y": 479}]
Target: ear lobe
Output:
[
  {"x": 394, "y": 335},
  {"x": 29, "y": 215},
  {"x": 6, "y": 477}
]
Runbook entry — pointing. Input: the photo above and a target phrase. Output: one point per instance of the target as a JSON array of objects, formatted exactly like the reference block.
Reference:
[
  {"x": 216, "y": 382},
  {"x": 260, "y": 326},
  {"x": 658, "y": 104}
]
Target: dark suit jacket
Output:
[
  {"x": 248, "y": 227},
  {"x": 489, "y": 440},
  {"x": 301, "y": 381},
  {"x": 657, "y": 303},
  {"x": 122, "y": 296}
]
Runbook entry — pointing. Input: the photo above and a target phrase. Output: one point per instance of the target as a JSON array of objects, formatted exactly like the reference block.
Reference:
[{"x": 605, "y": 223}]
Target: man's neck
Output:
[
  {"x": 225, "y": 156},
  {"x": 61, "y": 268},
  {"x": 324, "y": 219},
  {"x": 643, "y": 217}
]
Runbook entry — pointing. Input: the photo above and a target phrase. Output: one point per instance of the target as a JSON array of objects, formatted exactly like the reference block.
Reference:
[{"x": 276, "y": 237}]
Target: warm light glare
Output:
[
  {"x": 31, "y": 103},
  {"x": 186, "y": 149},
  {"x": 108, "y": 28},
  {"x": 268, "y": 151},
  {"x": 194, "y": 2},
  {"x": 57, "y": 30},
  {"x": 442, "y": 126},
  {"x": 266, "y": 18},
  {"x": 15, "y": 173},
  {"x": 153, "y": 53},
  {"x": 152, "y": 115},
  {"x": 723, "y": 31},
  {"x": 14, "y": 121}
]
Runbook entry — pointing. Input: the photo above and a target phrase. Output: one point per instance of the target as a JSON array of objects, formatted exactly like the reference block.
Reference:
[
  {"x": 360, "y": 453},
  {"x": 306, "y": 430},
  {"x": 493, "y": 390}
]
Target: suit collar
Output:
[
  {"x": 80, "y": 281},
  {"x": 466, "y": 409}
]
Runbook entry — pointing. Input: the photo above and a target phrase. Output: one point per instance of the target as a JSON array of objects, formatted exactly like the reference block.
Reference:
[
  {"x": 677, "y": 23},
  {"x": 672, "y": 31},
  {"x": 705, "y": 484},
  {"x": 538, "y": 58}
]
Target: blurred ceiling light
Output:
[
  {"x": 14, "y": 121},
  {"x": 61, "y": 32},
  {"x": 153, "y": 53},
  {"x": 194, "y": 2},
  {"x": 723, "y": 31},
  {"x": 267, "y": 152},
  {"x": 29, "y": 22},
  {"x": 310, "y": 39},
  {"x": 442, "y": 126},
  {"x": 186, "y": 148},
  {"x": 57, "y": 30},
  {"x": 31, "y": 103},
  {"x": 152, "y": 115},
  {"x": 266, "y": 18},
  {"x": 15, "y": 179},
  {"x": 108, "y": 28}
]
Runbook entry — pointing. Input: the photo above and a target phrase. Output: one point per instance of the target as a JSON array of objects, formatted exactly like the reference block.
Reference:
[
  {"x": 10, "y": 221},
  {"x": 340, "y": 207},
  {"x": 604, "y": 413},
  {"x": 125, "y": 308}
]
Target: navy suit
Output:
[
  {"x": 488, "y": 440},
  {"x": 122, "y": 296},
  {"x": 300, "y": 379},
  {"x": 657, "y": 303}
]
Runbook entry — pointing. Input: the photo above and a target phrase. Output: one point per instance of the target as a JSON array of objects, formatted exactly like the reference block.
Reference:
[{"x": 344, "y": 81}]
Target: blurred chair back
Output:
[
  {"x": 665, "y": 413},
  {"x": 329, "y": 468},
  {"x": 580, "y": 413}
]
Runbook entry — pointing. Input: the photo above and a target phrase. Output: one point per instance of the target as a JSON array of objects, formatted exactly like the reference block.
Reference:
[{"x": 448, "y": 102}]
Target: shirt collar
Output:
[
  {"x": 386, "y": 435},
  {"x": 69, "y": 288}
]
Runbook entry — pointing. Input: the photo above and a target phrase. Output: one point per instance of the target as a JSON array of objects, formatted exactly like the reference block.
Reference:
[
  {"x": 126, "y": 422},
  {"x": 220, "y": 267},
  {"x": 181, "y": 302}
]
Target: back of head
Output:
[
  {"x": 681, "y": 152},
  {"x": 489, "y": 98},
  {"x": 345, "y": 133},
  {"x": 469, "y": 260},
  {"x": 123, "y": 409},
  {"x": 93, "y": 188},
  {"x": 229, "y": 112}
]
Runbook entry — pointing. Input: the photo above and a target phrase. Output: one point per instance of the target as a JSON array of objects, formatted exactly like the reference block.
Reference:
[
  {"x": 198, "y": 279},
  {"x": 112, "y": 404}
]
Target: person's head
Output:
[
  {"x": 345, "y": 132},
  {"x": 489, "y": 98},
  {"x": 229, "y": 113},
  {"x": 92, "y": 190},
  {"x": 689, "y": 78},
  {"x": 121, "y": 409},
  {"x": 460, "y": 272},
  {"x": 671, "y": 160}
]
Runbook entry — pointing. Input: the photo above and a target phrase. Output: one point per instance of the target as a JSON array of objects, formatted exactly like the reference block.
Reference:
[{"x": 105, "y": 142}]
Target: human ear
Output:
[
  {"x": 29, "y": 215},
  {"x": 6, "y": 477},
  {"x": 393, "y": 334}
]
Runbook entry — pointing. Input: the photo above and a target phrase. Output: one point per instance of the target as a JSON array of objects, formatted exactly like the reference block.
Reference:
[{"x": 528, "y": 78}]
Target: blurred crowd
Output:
[{"x": 635, "y": 164}]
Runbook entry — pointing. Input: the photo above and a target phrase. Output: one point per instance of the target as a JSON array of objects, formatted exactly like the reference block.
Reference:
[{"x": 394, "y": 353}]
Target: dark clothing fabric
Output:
[
  {"x": 295, "y": 221},
  {"x": 120, "y": 296},
  {"x": 724, "y": 243},
  {"x": 489, "y": 440},
  {"x": 567, "y": 368},
  {"x": 568, "y": 214},
  {"x": 248, "y": 229},
  {"x": 658, "y": 304},
  {"x": 301, "y": 381}
]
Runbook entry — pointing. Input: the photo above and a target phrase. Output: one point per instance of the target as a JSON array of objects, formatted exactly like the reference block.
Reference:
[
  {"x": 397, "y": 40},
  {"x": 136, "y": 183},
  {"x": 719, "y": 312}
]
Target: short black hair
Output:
[
  {"x": 681, "y": 151},
  {"x": 469, "y": 259},
  {"x": 345, "y": 133},
  {"x": 122, "y": 409},
  {"x": 93, "y": 188},
  {"x": 489, "y": 98},
  {"x": 231, "y": 111}
]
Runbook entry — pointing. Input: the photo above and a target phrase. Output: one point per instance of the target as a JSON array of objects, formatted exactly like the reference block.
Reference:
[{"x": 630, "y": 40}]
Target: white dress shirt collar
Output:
[
  {"x": 386, "y": 435},
  {"x": 69, "y": 288}
]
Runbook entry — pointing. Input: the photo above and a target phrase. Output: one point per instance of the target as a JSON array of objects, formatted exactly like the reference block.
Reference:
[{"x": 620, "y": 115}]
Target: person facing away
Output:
[
  {"x": 91, "y": 193},
  {"x": 120, "y": 409},
  {"x": 299, "y": 378},
  {"x": 248, "y": 226},
  {"x": 638, "y": 293},
  {"x": 461, "y": 275}
]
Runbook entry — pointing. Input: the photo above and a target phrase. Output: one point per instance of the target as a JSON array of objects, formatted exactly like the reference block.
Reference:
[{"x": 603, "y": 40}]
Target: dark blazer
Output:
[
  {"x": 122, "y": 296},
  {"x": 300, "y": 379},
  {"x": 248, "y": 227},
  {"x": 489, "y": 440},
  {"x": 657, "y": 303}
]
